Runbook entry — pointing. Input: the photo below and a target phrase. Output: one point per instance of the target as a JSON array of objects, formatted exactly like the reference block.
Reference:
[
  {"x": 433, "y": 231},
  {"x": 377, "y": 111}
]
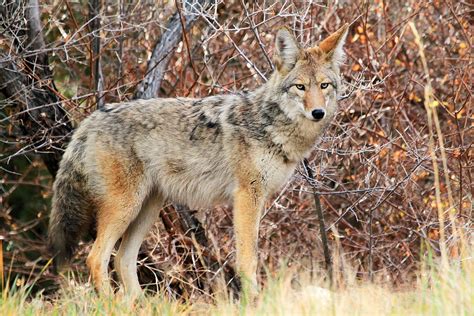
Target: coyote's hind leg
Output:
[
  {"x": 126, "y": 259},
  {"x": 118, "y": 205},
  {"x": 112, "y": 221}
]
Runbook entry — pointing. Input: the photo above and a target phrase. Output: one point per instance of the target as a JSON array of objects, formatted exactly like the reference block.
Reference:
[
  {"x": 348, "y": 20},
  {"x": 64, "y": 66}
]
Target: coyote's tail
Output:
[{"x": 71, "y": 217}]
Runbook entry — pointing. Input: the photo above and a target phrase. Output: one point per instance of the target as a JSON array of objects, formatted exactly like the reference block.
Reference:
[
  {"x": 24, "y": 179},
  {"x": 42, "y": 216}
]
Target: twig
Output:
[
  {"x": 322, "y": 226},
  {"x": 257, "y": 36},
  {"x": 95, "y": 6}
]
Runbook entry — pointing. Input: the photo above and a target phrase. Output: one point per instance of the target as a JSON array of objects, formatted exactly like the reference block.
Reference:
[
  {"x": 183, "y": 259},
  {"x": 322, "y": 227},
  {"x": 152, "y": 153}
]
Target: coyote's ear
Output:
[
  {"x": 332, "y": 46},
  {"x": 287, "y": 51}
]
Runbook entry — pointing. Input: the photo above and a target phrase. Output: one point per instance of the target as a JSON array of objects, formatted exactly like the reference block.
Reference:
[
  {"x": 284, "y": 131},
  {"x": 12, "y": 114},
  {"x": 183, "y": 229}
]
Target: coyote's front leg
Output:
[{"x": 248, "y": 201}]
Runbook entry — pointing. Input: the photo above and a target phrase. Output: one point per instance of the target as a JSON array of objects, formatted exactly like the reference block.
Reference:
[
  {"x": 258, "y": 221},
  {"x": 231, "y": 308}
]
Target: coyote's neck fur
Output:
[{"x": 261, "y": 115}]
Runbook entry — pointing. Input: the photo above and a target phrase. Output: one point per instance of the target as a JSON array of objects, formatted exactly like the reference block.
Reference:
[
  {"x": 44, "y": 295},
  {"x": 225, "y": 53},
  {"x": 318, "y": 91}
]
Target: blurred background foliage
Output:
[{"x": 375, "y": 173}]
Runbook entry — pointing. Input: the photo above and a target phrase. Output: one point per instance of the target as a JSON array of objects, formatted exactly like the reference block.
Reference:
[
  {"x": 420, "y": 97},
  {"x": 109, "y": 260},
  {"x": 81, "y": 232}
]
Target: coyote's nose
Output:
[{"x": 318, "y": 114}]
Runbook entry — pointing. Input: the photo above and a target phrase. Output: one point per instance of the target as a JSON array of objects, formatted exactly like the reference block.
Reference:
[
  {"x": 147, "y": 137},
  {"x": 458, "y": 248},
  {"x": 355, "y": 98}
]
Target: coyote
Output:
[{"x": 126, "y": 160}]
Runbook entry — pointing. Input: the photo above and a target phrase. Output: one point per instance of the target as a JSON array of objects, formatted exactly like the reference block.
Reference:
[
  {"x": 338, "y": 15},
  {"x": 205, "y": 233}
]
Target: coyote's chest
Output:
[{"x": 275, "y": 171}]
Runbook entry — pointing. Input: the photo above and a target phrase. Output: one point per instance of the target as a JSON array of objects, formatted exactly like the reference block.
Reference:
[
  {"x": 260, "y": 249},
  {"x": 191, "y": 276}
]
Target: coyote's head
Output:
[{"x": 308, "y": 80}]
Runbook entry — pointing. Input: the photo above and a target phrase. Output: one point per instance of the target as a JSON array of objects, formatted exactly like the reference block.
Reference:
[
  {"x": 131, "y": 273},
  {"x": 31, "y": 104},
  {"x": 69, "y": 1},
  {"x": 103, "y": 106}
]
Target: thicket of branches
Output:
[{"x": 393, "y": 173}]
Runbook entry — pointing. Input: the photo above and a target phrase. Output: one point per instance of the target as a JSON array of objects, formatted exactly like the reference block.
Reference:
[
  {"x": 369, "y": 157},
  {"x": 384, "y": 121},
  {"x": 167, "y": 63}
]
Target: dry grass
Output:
[{"x": 436, "y": 292}]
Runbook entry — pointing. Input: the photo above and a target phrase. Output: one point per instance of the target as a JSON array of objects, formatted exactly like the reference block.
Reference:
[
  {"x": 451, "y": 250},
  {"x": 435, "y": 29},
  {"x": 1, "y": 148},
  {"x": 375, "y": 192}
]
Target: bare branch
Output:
[
  {"x": 161, "y": 55},
  {"x": 95, "y": 7}
]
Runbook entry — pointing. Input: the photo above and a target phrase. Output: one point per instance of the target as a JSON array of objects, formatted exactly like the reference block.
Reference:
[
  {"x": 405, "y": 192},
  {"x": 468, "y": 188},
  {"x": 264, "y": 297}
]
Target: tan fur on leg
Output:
[
  {"x": 247, "y": 204},
  {"x": 126, "y": 259},
  {"x": 111, "y": 224},
  {"x": 118, "y": 208}
]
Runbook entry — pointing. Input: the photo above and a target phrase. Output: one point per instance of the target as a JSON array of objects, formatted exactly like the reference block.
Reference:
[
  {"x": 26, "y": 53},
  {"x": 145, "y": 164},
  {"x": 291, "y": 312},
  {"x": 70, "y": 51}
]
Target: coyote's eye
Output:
[
  {"x": 299, "y": 86},
  {"x": 324, "y": 85}
]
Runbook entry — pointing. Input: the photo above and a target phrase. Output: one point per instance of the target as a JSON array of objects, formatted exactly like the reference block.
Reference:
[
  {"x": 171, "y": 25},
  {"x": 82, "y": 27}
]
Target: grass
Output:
[{"x": 436, "y": 292}]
